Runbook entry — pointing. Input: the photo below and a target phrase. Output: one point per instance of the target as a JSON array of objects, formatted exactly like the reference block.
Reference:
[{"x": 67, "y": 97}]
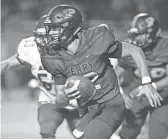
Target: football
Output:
[{"x": 86, "y": 87}]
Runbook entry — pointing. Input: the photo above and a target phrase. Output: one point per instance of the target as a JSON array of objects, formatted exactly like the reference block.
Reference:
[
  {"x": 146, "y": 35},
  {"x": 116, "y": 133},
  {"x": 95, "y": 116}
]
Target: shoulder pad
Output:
[
  {"x": 28, "y": 51},
  {"x": 100, "y": 38}
]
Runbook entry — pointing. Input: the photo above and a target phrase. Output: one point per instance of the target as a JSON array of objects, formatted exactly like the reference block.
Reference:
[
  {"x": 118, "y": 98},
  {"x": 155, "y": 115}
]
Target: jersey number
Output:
[
  {"x": 42, "y": 77},
  {"x": 93, "y": 77}
]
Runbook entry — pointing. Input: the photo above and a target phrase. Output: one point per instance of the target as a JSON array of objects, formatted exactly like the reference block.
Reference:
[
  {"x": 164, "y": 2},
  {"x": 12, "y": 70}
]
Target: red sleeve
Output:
[
  {"x": 102, "y": 40},
  {"x": 115, "y": 50}
]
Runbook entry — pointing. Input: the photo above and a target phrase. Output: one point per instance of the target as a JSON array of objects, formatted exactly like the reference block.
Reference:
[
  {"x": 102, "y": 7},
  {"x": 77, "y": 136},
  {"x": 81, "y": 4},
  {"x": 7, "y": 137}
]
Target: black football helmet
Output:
[
  {"x": 144, "y": 30},
  {"x": 62, "y": 24}
]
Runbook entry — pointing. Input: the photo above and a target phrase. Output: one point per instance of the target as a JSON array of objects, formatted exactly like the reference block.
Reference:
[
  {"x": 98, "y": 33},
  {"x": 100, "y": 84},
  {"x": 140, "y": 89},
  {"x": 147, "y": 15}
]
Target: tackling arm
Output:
[
  {"x": 10, "y": 63},
  {"x": 138, "y": 56}
]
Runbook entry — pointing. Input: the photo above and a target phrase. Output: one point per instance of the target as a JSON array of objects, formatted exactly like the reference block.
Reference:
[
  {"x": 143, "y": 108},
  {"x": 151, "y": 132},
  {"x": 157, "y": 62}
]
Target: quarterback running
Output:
[{"x": 68, "y": 50}]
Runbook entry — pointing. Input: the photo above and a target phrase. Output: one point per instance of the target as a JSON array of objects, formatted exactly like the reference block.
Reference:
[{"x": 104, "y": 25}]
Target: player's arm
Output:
[
  {"x": 138, "y": 56},
  {"x": 113, "y": 48},
  {"x": 117, "y": 49},
  {"x": 10, "y": 63},
  {"x": 21, "y": 57},
  {"x": 119, "y": 71}
]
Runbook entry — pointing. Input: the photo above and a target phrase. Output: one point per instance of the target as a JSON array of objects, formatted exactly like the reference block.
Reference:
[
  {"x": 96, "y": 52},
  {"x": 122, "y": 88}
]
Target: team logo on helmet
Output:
[{"x": 67, "y": 13}]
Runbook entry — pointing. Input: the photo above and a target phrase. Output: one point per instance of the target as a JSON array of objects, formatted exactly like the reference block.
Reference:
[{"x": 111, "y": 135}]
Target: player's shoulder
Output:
[
  {"x": 27, "y": 46},
  {"x": 23, "y": 43},
  {"x": 98, "y": 38},
  {"x": 27, "y": 51},
  {"x": 98, "y": 31}
]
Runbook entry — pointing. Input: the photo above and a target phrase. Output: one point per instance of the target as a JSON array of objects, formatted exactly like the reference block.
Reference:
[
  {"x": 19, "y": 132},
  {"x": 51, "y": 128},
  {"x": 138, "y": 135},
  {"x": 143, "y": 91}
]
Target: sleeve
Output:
[
  {"x": 127, "y": 62},
  {"x": 115, "y": 50},
  {"x": 21, "y": 54},
  {"x": 102, "y": 40}
]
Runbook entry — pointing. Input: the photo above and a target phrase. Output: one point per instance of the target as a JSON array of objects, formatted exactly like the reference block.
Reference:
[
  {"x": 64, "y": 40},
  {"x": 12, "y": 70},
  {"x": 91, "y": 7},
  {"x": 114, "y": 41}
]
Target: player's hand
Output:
[
  {"x": 151, "y": 93},
  {"x": 72, "y": 93},
  {"x": 128, "y": 101}
]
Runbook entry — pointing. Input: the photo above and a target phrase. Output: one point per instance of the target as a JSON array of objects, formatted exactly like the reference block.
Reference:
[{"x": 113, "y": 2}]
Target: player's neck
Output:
[{"x": 72, "y": 48}]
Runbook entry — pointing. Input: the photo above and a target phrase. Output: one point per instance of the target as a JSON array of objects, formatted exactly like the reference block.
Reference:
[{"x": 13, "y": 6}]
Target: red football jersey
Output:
[{"x": 96, "y": 45}]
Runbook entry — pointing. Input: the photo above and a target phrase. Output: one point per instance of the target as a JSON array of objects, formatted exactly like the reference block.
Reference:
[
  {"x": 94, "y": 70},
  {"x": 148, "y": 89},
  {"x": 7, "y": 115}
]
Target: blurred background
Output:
[{"x": 18, "y": 18}]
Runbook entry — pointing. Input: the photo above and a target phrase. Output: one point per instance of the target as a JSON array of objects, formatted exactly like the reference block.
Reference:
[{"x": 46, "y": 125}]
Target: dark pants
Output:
[
  {"x": 105, "y": 123},
  {"x": 135, "y": 119},
  {"x": 50, "y": 117}
]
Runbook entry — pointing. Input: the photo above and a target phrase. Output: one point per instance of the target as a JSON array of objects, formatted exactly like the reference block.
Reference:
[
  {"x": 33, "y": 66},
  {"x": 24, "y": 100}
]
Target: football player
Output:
[
  {"x": 145, "y": 33},
  {"x": 49, "y": 116},
  {"x": 69, "y": 50}
]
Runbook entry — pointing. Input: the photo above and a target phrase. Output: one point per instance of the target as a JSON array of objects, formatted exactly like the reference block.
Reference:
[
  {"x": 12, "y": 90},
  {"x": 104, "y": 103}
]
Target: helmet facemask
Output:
[
  {"x": 55, "y": 36},
  {"x": 40, "y": 38},
  {"x": 60, "y": 36}
]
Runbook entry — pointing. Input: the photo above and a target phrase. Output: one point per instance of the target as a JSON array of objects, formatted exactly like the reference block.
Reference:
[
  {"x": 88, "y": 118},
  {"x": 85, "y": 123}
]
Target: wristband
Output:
[
  {"x": 154, "y": 85},
  {"x": 146, "y": 80}
]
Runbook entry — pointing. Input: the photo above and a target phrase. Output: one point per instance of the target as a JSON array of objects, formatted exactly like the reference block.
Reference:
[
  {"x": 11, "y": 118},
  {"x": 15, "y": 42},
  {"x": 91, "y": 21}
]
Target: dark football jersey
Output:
[
  {"x": 157, "y": 59},
  {"x": 96, "y": 45}
]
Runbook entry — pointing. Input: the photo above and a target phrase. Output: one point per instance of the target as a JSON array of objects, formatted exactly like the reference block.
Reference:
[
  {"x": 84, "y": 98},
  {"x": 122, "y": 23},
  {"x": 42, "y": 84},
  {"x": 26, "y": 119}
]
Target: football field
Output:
[{"x": 19, "y": 118}]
